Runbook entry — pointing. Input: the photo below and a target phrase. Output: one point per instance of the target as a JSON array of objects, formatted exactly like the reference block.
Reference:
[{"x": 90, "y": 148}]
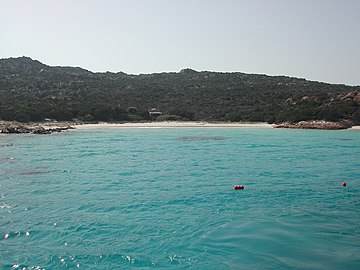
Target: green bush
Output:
[
  {"x": 135, "y": 118},
  {"x": 169, "y": 117}
]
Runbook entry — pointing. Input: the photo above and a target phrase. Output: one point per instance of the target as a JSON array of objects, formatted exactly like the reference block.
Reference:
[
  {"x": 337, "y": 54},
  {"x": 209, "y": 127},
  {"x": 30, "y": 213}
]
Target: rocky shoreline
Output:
[
  {"x": 19, "y": 128},
  {"x": 9, "y": 127},
  {"x": 318, "y": 125}
]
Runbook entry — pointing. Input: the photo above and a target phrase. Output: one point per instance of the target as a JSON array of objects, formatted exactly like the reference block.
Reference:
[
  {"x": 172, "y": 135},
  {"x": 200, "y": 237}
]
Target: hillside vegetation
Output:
[{"x": 32, "y": 91}]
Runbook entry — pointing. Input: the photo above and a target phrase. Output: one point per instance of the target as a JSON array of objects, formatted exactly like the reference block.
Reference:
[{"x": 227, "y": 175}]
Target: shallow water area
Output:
[{"x": 164, "y": 198}]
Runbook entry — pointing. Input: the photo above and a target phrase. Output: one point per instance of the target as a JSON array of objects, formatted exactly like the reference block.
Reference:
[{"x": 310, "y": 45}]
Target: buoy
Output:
[
  {"x": 238, "y": 187},
  {"x": 344, "y": 184}
]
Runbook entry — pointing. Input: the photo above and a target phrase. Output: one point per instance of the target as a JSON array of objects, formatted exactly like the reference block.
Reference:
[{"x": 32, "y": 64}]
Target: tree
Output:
[{"x": 132, "y": 110}]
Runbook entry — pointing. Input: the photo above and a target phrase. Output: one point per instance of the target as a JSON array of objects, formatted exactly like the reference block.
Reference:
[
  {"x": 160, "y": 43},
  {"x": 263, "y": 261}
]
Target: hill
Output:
[{"x": 33, "y": 91}]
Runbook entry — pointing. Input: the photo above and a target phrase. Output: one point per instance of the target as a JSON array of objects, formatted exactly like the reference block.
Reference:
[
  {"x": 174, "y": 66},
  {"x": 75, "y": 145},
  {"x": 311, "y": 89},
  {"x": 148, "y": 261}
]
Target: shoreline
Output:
[
  {"x": 174, "y": 124},
  {"x": 188, "y": 124},
  {"x": 51, "y": 127}
]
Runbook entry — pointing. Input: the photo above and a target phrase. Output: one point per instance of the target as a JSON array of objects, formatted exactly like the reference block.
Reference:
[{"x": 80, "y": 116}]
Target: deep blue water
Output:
[{"x": 164, "y": 198}]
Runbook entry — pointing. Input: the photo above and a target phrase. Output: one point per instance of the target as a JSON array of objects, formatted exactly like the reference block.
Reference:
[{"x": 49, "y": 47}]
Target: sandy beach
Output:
[{"x": 175, "y": 125}]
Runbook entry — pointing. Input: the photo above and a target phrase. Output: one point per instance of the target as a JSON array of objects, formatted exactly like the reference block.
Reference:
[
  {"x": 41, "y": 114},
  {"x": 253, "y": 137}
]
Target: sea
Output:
[{"x": 164, "y": 198}]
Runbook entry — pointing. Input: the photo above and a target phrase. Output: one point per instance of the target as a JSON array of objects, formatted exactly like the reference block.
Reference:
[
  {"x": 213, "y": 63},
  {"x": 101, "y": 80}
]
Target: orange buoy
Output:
[
  {"x": 344, "y": 184},
  {"x": 238, "y": 187}
]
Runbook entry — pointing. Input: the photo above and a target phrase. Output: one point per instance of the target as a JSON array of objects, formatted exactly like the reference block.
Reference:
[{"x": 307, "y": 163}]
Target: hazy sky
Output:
[{"x": 313, "y": 39}]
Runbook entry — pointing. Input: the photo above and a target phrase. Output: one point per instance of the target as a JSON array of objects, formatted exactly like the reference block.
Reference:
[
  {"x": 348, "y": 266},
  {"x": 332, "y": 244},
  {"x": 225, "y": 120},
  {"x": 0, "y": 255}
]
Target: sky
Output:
[{"x": 313, "y": 39}]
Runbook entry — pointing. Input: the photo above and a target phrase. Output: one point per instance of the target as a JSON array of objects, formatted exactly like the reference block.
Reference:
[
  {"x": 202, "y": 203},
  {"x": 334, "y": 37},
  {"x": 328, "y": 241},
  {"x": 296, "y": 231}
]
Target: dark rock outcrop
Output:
[{"x": 13, "y": 128}]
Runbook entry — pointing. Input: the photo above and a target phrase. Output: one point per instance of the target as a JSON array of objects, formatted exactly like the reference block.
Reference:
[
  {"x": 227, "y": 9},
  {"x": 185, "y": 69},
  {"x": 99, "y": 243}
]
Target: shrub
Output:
[{"x": 169, "y": 117}]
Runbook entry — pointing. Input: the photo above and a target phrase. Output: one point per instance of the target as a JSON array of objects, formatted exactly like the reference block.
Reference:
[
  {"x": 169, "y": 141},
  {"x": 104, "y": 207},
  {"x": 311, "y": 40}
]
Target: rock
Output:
[
  {"x": 12, "y": 128},
  {"x": 348, "y": 96},
  {"x": 357, "y": 98},
  {"x": 15, "y": 128},
  {"x": 305, "y": 98},
  {"x": 318, "y": 125},
  {"x": 59, "y": 129},
  {"x": 40, "y": 130}
]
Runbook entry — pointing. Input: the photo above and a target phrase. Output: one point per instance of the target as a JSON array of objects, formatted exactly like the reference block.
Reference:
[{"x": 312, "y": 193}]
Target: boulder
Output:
[
  {"x": 12, "y": 128},
  {"x": 357, "y": 98},
  {"x": 40, "y": 130}
]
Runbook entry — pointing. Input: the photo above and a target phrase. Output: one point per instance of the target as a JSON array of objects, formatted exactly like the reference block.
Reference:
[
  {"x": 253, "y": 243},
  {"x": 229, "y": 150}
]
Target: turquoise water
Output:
[{"x": 164, "y": 198}]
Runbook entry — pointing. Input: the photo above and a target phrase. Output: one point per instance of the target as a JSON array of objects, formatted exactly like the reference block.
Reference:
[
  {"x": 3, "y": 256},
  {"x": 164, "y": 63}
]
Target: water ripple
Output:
[{"x": 126, "y": 198}]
